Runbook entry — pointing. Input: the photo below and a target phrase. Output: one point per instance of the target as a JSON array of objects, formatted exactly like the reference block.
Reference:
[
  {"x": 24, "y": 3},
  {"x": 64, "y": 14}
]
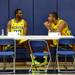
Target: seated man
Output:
[
  {"x": 18, "y": 25},
  {"x": 56, "y": 24}
]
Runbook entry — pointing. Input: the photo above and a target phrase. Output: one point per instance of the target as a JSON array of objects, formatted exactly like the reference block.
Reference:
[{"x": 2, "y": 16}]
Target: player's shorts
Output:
[
  {"x": 21, "y": 41},
  {"x": 18, "y": 42}
]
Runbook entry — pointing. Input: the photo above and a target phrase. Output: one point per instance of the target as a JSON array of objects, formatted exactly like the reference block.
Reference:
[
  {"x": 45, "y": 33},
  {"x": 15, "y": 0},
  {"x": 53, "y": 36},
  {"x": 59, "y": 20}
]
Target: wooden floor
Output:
[{"x": 23, "y": 65}]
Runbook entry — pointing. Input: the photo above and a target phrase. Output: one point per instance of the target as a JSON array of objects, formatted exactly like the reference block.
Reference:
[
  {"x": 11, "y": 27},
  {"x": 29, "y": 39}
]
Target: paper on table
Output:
[
  {"x": 52, "y": 34},
  {"x": 13, "y": 34}
]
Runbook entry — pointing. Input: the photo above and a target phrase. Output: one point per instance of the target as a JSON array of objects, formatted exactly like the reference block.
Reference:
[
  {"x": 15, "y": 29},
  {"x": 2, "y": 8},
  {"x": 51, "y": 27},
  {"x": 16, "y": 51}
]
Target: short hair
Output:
[
  {"x": 55, "y": 14},
  {"x": 16, "y": 10}
]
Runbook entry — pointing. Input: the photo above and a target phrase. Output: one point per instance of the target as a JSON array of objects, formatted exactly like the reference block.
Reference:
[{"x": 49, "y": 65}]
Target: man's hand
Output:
[{"x": 47, "y": 25}]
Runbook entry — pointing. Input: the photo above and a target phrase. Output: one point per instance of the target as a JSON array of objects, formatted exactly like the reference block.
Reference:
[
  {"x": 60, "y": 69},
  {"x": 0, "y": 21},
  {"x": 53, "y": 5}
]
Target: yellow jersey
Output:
[
  {"x": 18, "y": 27},
  {"x": 65, "y": 31}
]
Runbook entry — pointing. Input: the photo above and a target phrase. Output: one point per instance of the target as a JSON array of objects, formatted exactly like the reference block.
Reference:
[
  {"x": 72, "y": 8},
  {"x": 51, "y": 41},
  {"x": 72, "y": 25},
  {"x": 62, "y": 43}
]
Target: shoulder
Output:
[
  {"x": 11, "y": 20},
  {"x": 24, "y": 21},
  {"x": 61, "y": 21}
]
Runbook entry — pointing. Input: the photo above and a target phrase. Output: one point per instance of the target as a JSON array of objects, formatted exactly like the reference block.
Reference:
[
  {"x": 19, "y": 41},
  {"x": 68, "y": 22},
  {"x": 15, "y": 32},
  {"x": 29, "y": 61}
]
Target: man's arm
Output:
[
  {"x": 47, "y": 25},
  {"x": 61, "y": 27},
  {"x": 9, "y": 26},
  {"x": 25, "y": 28}
]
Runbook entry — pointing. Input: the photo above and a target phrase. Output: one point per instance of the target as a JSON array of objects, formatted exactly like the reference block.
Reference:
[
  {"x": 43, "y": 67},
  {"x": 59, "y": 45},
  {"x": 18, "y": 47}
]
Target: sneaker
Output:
[
  {"x": 35, "y": 62},
  {"x": 45, "y": 61}
]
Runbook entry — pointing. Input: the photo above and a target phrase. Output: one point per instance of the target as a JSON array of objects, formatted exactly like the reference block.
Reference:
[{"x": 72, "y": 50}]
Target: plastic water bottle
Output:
[{"x": 2, "y": 32}]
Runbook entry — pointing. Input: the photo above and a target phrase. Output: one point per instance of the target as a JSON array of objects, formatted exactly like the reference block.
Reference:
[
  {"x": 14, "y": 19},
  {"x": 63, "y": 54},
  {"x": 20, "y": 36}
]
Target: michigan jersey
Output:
[
  {"x": 65, "y": 31},
  {"x": 18, "y": 27}
]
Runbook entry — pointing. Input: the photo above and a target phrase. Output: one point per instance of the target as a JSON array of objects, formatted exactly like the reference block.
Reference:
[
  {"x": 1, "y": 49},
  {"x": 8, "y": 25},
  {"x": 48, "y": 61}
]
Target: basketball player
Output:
[
  {"x": 19, "y": 25},
  {"x": 56, "y": 24}
]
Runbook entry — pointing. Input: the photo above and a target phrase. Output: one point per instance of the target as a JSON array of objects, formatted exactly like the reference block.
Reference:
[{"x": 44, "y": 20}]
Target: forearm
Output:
[
  {"x": 25, "y": 31},
  {"x": 48, "y": 25},
  {"x": 8, "y": 30}
]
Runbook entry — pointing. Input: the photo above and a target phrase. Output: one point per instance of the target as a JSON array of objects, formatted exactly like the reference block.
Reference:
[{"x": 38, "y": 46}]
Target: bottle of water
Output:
[{"x": 2, "y": 32}]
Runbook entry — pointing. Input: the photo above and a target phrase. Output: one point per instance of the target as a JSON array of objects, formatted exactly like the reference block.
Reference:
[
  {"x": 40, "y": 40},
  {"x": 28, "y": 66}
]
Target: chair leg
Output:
[
  {"x": 31, "y": 64},
  {"x": 14, "y": 64},
  {"x": 48, "y": 64},
  {"x": 32, "y": 58},
  {"x": 65, "y": 63},
  {"x": 4, "y": 63},
  {"x": 49, "y": 56},
  {"x": 57, "y": 63},
  {"x": 54, "y": 65},
  {"x": 30, "y": 67},
  {"x": 74, "y": 60}
]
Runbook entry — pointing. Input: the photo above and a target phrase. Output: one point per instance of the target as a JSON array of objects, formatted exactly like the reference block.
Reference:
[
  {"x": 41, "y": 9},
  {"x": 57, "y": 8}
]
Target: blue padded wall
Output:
[
  {"x": 66, "y": 9},
  {"x": 41, "y": 10},
  {"x": 3, "y": 14}
]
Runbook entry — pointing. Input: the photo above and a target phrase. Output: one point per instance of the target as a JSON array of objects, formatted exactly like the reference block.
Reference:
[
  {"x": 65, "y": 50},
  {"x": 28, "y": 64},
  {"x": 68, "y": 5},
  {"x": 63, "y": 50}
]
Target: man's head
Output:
[
  {"x": 18, "y": 13},
  {"x": 53, "y": 16}
]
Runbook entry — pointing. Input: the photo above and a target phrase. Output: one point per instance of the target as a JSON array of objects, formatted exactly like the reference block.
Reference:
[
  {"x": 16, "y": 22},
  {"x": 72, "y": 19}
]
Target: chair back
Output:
[
  {"x": 66, "y": 44},
  {"x": 37, "y": 46},
  {"x": 67, "y": 41},
  {"x": 6, "y": 41}
]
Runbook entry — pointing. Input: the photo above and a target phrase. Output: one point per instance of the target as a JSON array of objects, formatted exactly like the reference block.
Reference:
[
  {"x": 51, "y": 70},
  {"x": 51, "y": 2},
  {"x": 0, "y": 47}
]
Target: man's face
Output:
[
  {"x": 51, "y": 18},
  {"x": 19, "y": 14}
]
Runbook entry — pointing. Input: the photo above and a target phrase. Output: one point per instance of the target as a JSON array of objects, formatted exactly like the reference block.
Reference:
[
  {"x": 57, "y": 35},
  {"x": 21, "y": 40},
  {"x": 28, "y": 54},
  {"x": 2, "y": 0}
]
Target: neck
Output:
[
  {"x": 17, "y": 19},
  {"x": 56, "y": 21}
]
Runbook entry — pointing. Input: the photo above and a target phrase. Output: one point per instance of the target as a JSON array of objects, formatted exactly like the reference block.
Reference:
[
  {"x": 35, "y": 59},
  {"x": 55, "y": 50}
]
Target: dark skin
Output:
[
  {"x": 62, "y": 25},
  {"x": 18, "y": 18},
  {"x": 52, "y": 19}
]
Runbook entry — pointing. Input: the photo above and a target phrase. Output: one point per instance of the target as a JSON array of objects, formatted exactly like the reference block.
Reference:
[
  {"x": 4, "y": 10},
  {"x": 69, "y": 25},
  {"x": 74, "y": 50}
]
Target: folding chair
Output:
[
  {"x": 64, "y": 48},
  {"x": 8, "y": 52},
  {"x": 37, "y": 48}
]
